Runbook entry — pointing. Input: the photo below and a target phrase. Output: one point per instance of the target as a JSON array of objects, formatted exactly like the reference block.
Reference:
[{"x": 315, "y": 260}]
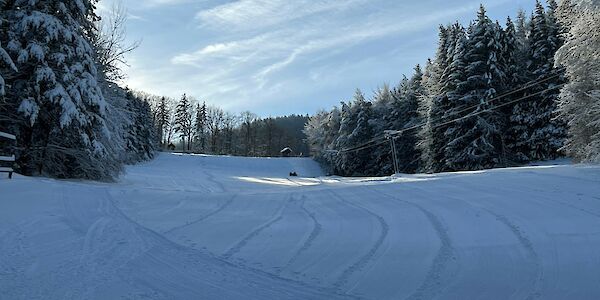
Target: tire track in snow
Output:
[
  {"x": 523, "y": 240},
  {"x": 210, "y": 177},
  {"x": 528, "y": 245},
  {"x": 432, "y": 284},
  {"x": 210, "y": 214},
  {"x": 541, "y": 199},
  {"x": 317, "y": 227},
  {"x": 239, "y": 245},
  {"x": 368, "y": 257},
  {"x": 162, "y": 241}
]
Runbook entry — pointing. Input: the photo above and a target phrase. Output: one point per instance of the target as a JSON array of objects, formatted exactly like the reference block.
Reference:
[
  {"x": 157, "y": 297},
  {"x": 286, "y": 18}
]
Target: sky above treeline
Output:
[{"x": 277, "y": 57}]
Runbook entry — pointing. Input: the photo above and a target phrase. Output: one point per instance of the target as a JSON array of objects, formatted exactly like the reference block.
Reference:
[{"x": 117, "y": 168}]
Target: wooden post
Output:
[{"x": 390, "y": 136}]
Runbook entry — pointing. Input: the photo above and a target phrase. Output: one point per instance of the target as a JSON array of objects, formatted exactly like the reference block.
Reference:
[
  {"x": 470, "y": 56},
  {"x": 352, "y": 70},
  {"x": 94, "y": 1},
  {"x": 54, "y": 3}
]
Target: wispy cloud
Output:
[
  {"x": 260, "y": 13},
  {"x": 275, "y": 50},
  {"x": 248, "y": 54}
]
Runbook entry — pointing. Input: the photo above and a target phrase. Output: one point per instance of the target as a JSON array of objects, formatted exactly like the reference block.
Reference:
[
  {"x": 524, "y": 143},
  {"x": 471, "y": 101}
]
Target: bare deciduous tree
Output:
[
  {"x": 215, "y": 118},
  {"x": 111, "y": 42}
]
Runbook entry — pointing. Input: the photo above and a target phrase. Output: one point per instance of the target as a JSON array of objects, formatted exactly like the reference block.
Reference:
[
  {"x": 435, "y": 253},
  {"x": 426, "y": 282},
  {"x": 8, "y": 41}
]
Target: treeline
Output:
[
  {"x": 58, "y": 65},
  {"x": 489, "y": 98},
  {"x": 191, "y": 126}
]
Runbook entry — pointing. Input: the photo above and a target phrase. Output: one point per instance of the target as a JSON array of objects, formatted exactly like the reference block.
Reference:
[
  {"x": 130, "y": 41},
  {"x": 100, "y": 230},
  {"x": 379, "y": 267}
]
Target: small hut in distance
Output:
[{"x": 286, "y": 152}]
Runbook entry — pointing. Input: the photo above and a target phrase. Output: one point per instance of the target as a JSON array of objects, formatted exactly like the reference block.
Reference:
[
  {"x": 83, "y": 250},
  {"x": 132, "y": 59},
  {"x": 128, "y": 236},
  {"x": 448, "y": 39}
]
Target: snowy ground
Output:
[{"x": 196, "y": 227}]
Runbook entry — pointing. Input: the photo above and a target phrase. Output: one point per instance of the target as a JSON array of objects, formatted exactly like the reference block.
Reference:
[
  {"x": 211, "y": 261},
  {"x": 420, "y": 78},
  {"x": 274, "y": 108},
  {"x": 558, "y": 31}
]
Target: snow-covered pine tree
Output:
[
  {"x": 580, "y": 99},
  {"x": 513, "y": 57},
  {"x": 555, "y": 28},
  {"x": 62, "y": 128},
  {"x": 438, "y": 106},
  {"x": 455, "y": 32},
  {"x": 360, "y": 161},
  {"x": 333, "y": 123},
  {"x": 5, "y": 62},
  {"x": 321, "y": 133},
  {"x": 515, "y": 44},
  {"x": 384, "y": 118},
  {"x": 538, "y": 132},
  {"x": 457, "y": 87},
  {"x": 475, "y": 142},
  {"x": 162, "y": 120},
  {"x": 382, "y": 106},
  {"x": 200, "y": 126},
  {"x": 354, "y": 131},
  {"x": 316, "y": 131},
  {"x": 184, "y": 121},
  {"x": 424, "y": 134},
  {"x": 455, "y": 72},
  {"x": 140, "y": 131},
  {"x": 521, "y": 26},
  {"x": 347, "y": 124},
  {"x": 406, "y": 145}
]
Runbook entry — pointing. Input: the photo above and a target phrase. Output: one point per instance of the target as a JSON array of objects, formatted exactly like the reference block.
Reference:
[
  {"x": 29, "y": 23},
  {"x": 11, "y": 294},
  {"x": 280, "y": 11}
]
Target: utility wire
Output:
[
  {"x": 524, "y": 87},
  {"x": 400, "y": 132}
]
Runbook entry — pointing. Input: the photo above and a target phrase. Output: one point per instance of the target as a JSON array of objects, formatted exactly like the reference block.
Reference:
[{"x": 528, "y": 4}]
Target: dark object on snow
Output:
[
  {"x": 171, "y": 147},
  {"x": 286, "y": 152},
  {"x": 293, "y": 174},
  {"x": 7, "y": 162}
]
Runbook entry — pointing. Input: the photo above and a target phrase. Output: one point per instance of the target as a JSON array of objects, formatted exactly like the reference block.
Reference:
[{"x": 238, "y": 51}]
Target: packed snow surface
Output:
[{"x": 202, "y": 227}]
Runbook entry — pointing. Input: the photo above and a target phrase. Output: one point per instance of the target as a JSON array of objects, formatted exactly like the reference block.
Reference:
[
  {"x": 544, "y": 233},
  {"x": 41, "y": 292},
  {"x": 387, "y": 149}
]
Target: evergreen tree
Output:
[
  {"x": 425, "y": 133},
  {"x": 140, "y": 133},
  {"x": 513, "y": 57},
  {"x": 162, "y": 120},
  {"x": 580, "y": 99},
  {"x": 347, "y": 124},
  {"x": 406, "y": 145},
  {"x": 521, "y": 32},
  {"x": 200, "y": 126},
  {"x": 62, "y": 129},
  {"x": 354, "y": 131},
  {"x": 475, "y": 142},
  {"x": 184, "y": 122},
  {"x": 5, "y": 62},
  {"x": 539, "y": 134},
  {"x": 438, "y": 107},
  {"x": 384, "y": 118},
  {"x": 359, "y": 161},
  {"x": 333, "y": 124}
]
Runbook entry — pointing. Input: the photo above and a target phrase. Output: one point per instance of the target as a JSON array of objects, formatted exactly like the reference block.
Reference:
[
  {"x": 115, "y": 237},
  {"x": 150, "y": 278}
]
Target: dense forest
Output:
[{"x": 491, "y": 97}]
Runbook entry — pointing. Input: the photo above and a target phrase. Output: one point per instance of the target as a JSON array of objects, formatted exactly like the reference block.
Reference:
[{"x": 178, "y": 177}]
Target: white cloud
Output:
[
  {"x": 274, "y": 51},
  {"x": 259, "y": 13},
  {"x": 245, "y": 69}
]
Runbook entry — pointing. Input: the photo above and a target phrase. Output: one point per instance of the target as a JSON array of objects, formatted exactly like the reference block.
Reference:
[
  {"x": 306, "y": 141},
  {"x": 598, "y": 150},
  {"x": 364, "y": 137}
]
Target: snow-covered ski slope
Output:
[{"x": 201, "y": 227}]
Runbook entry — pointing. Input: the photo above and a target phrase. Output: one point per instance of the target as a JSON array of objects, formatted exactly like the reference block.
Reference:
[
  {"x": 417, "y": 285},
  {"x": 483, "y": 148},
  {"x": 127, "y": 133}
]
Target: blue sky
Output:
[{"x": 276, "y": 57}]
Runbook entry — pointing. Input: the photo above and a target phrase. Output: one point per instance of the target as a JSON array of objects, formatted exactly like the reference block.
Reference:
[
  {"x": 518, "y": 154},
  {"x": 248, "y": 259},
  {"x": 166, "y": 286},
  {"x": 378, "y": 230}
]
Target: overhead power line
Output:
[
  {"x": 509, "y": 93},
  {"x": 379, "y": 140}
]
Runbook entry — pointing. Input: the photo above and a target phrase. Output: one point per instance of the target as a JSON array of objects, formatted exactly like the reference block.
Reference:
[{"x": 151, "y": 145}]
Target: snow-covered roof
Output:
[{"x": 286, "y": 149}]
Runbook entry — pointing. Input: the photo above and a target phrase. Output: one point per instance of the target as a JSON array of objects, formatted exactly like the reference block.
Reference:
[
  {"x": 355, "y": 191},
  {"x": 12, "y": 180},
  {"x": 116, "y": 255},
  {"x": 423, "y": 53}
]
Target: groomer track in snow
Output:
[{"x": 208, "y": 227}]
